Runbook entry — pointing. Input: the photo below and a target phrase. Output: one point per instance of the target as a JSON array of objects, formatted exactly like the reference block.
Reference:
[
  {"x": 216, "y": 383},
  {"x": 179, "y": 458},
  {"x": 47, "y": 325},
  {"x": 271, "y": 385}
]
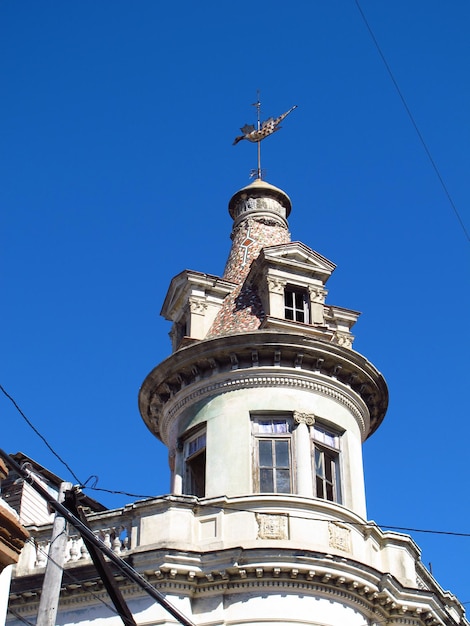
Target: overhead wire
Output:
[
  {"x": 68, "y": 574},
  {"x": 294, "y": 516},
  {"x": 20, "y": 617},
  {"x": 118, "y": 492},
  {"x": 413, "y": 121},
  {"x": 123, "y": 566},
  {"x": 143, "y": 496},
  {"x": 31, "y": 425},
  {"x": 137, "y": 574}
]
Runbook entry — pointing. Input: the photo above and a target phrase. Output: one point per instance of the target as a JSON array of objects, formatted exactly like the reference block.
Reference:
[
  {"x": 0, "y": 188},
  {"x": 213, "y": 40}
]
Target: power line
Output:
[
  {"x": 20, "y": 617},
  {"x": 30, "y": 424},
  {"x": 413, "y": 121},
  {"x": 294, "y": 516},
  {"x": 125, "y": 568},
  {"x": 143, "y": 496},
  {"x": 68, "y": 574}
]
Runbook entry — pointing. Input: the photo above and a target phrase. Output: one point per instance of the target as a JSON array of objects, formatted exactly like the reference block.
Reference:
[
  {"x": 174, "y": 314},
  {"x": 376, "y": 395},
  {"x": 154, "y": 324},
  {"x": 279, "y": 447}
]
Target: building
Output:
[
  {"x": 13, "y": 536},
  {"x": 264, "y": 406}
]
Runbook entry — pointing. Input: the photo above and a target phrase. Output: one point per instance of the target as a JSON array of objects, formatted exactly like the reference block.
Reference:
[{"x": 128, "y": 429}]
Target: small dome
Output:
[{"x": 276, "y": 200}]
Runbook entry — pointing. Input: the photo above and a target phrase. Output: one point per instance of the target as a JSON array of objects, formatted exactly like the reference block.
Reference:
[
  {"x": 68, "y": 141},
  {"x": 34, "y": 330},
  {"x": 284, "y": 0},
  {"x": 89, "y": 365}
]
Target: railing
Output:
[{"x": 112, "y": 527}]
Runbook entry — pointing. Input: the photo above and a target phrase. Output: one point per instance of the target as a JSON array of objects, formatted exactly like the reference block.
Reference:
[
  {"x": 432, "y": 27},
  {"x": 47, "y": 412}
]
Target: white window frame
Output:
[
  {"x": 299, "y": 309},
  {"x": 194, "y": 446},
  {"x": 276, "y": 429},
  {"x": 326, "y": 450}
]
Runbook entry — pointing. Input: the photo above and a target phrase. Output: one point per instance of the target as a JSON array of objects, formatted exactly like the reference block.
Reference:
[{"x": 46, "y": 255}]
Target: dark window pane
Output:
[
  {"x": 266, "y": 480},
  {"x": 329, "y": 462},
  {"x": 318, "y": 463},
  {"x": 329, "y": 492},
  {"x": 282, "y": 453},
  {"x": 319, "y": 485},
  {"x": 265, "y": 453},
  {"x": 196, "y": 468},
  {"x": 288, "y": 298},
  {"x": 282, "y": 481}
]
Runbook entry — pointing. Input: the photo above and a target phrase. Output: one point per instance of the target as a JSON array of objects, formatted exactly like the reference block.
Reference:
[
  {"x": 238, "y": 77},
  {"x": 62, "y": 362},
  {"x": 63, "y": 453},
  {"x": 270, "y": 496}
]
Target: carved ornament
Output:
[
  {"x": 340, "y": 537},
  {"x": 197, "y": 306},
  {"x": 343, "y": 339},
  {"x": 317, "y": 294},
  {"x": 304, "y": 418},
  {"x": 272, "y": 526},
  {"x": 276, "y": 285}
]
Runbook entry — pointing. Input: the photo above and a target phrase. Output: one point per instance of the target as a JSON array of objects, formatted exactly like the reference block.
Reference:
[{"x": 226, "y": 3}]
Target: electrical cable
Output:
[
  {"x": 294, "y": 516},
  {"x": 413, "y": 121},
  {"x": 122, "y": 565},
  {"x": 20, "y": 617},
  {"x": 68, "y": 574},
  {"x": 126, "y": 569},
  {"x": 12, "y": 400},
  {"x": 134, "y": 495}
]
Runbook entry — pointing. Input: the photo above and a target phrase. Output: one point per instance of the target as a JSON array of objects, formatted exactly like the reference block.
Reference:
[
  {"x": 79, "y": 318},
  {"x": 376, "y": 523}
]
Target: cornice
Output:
[
  {"x": 266, "y": 377},
  {"x": 263, "y": 358},
  {"x": 343, "y": 580}
]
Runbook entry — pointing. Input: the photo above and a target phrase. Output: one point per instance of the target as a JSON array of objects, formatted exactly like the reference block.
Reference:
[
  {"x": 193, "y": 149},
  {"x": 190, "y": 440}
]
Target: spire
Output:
[{"x": 259, "y": 212}]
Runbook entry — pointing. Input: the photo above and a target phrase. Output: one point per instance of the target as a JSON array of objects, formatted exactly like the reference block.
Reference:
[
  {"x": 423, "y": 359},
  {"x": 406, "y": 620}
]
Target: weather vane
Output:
[{"x": 262, "y": 130}]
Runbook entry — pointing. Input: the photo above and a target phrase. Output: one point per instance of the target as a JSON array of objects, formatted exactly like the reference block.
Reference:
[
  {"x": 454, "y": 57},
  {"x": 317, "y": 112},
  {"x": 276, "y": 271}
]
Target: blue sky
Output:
[{"x": 117, "y": 165}]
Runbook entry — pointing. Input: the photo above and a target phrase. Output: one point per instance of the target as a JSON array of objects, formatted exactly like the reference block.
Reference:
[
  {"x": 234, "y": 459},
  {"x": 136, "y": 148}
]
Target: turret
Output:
[{"x": 263, "y": 392}]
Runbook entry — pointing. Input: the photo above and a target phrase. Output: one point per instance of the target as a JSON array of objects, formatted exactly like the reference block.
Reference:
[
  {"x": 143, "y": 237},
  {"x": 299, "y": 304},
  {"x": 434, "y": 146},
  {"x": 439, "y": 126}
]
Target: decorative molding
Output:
[
  {"x": 345, "y": 340},
  {"x": 249, "y": 205},
  {"x": 341, "y": 580},
  {"x": 276, "y": 285},
  {"x": 340, "y": 536},
  {"x": 272, "y": 526},
  {"x": 260, "y": 380},
  {"x": 308, "y": 363},
  {"x": 317, "y": 294},
  {"x": 304, "y": 418},
  {"x": 197, "y": 306}
]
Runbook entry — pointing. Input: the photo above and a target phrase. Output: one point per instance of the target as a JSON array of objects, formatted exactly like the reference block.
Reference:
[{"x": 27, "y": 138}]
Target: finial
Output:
[{"x": 262, "y": 130}]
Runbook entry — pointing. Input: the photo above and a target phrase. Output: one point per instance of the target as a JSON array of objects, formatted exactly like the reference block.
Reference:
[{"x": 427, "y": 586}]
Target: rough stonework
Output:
[
  {"x": 259, "y": 223},
  {"x": 249, "y": 238},
  {"x": 241, "y": 311}
]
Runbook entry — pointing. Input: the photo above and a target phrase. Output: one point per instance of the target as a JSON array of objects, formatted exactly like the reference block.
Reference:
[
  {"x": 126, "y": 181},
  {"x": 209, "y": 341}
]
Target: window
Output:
[
  {"x": 195, "y": 464},
  {"x": 181, "y": 329},
  {"x": 296, "y": 305},
  {"x": 326, "y": 464},
  {"x": 273, "y": 454}
]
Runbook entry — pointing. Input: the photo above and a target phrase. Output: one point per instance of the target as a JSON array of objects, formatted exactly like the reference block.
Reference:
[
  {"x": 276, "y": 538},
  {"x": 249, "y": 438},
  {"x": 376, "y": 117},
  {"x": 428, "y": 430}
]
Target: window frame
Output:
[
  {"x": 195, "y": 478},
  {"x": 275, "y": 438},
  {"x": 331, "y": 453},
  {"x": 297, "y": 311}
]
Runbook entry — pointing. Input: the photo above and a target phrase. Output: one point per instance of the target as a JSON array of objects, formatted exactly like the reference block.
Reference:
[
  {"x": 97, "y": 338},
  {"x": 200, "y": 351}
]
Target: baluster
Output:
[
  {"x": 42, "y": 550},
  {"x": 74, "y": 553},
  {"x": 116, "y": 542},
  {"x": 83, "y": 552}
]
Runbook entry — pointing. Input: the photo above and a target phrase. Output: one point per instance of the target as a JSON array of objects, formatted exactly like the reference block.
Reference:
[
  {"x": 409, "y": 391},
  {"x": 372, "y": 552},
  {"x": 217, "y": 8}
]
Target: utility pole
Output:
[
  {"x": 50, "y": 594},
  {"x": 129, "y": 572}
]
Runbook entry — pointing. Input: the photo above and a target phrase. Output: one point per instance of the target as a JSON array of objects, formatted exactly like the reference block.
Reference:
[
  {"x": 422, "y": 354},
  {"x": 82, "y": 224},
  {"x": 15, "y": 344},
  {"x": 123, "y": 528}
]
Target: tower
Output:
[{"x": 264, "y": 405}]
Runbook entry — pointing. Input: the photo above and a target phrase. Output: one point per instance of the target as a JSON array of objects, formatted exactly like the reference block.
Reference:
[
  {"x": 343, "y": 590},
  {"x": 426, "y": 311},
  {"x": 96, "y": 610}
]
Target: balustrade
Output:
[{"x": 116, "y": 536}]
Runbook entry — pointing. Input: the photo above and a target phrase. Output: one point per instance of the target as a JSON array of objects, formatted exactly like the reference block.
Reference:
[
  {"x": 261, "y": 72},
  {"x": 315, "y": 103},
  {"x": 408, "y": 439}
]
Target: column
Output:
[{"x": 303, "y": 454}]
